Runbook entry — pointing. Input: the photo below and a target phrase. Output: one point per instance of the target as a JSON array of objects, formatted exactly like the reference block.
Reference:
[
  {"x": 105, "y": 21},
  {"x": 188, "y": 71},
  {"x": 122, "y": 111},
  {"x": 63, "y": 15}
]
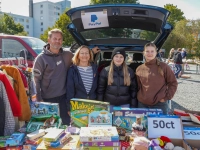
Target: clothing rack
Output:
[{"x": 19, "y": 59}]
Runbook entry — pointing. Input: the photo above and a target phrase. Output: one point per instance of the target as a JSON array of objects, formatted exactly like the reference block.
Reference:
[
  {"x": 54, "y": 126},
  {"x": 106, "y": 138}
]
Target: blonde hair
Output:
[
  {"x": 54, "y": 31},
  {"x": 127, "y": 79},
  {"x": 157, "y": 61},
  {"x": 76, "y": 60}
]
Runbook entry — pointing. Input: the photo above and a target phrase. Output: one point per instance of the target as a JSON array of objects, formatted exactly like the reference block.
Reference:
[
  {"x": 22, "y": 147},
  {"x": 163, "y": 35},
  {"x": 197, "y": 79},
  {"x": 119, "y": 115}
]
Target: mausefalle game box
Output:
[
  {"x": 132, "y": 120},
  {"x": 81, "y": 108}
]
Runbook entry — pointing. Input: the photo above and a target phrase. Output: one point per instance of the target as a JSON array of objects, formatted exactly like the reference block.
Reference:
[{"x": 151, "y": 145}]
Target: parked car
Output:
[
  {"x": 14, "y": 46},
  {"x": 119, "y": 25}
]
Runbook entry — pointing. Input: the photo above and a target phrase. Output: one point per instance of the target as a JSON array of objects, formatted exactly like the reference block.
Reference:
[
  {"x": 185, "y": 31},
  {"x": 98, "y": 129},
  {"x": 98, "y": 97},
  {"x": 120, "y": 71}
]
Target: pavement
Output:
[{"x": 187, "y": 95}]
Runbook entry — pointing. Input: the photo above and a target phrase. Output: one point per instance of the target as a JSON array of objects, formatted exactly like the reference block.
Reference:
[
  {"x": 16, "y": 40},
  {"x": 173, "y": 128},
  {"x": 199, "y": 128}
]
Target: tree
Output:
[
  {"x": 8, "y": 26},
  {"x": 113, "y": 1},
  {"x": 176, "y": 14},
  {"x": 61, "y": 24}
]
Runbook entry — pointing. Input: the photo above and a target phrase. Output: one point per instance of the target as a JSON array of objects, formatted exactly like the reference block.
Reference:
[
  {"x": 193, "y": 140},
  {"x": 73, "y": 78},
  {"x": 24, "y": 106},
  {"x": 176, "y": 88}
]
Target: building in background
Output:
[
  {"x": 46, "y": 13},
  {"x": 41, "y": 16},
  {"x": 27, "y": 22}
]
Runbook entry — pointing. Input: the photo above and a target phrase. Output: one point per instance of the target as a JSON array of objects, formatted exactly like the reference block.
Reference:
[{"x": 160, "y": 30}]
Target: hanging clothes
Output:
[
  {"x": 10, "y": 79},
  {"x": 20, "y": 91},
  {"x": 23, "y": 79},
  {"x": 2, "y": 116},
  {"x": 14, "y": 102},
  {"x": 9, "y": 120}
]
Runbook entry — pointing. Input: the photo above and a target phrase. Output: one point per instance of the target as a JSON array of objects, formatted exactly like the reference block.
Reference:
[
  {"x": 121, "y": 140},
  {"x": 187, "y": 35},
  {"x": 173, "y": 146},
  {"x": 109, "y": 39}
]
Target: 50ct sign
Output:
[{"x": 169, "y": 126}]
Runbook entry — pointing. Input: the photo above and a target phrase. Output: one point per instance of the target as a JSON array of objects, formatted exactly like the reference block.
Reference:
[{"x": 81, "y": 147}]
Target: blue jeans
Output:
[
  {"x": 160, "y": 105},
  {"x": 178, "y": 69},
  {"x": 123, "y": 106}
]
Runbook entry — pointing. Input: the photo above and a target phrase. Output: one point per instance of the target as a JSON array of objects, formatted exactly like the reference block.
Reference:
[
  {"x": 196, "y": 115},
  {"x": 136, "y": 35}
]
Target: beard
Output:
[{"x": 55, "y": 46}]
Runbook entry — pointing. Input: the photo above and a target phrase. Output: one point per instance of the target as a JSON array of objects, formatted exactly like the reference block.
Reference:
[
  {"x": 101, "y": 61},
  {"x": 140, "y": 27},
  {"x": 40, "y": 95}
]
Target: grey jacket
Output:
[{"x": 50, "y": 71}]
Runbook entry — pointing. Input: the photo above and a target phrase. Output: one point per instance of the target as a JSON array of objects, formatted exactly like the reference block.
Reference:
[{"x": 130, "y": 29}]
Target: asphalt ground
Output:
[{"x": 187, "y": 95}]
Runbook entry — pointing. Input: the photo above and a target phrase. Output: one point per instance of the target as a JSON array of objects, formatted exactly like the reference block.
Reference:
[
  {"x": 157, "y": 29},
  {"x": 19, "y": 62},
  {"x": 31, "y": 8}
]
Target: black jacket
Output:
[
  {"x": 117, "y": 93},
  {"x": 177, "y": 58},
  {"x": 75, "y": 86}
]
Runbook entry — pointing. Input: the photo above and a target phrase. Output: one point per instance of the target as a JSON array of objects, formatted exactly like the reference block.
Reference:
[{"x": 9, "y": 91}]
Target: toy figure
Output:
[
  {"x": 49, "y": 122},
  {"x": 98, "y": 119},
  {"x": 138, "y": 124},
  {"x": 92, "y": 119}
]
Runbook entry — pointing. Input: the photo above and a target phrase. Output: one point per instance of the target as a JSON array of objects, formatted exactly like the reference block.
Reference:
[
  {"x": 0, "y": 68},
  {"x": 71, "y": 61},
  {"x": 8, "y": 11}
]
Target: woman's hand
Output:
[{"x": 162, "y": 100}]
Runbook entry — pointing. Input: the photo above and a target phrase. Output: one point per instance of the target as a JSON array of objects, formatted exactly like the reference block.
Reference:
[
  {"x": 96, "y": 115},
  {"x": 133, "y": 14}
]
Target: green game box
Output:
[{"x": 81, "y": 108}]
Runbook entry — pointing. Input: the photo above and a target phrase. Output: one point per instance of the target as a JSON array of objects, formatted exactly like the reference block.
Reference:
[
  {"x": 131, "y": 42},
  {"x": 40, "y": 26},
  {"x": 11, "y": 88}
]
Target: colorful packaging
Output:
[
  {"x": 44, "y": 108},
  {"x": 98, "y": 134},
  {"x": 38, "y": 122},
  {"x": 100, "y": 119},
  {"x": 101, "y": 144},
  {"x": 73, "y": 144},
  {"x": 53, "y": 135},
  {"x": 81, "y": 108},
  {"x": 101, "y": 148},
  {"x": 132, "y": 120},
  {"x": 15, "y": 139}
]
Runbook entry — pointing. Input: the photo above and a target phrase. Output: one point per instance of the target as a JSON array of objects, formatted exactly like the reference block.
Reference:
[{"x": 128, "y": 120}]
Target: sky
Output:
[{"x": 189, "y": 7}]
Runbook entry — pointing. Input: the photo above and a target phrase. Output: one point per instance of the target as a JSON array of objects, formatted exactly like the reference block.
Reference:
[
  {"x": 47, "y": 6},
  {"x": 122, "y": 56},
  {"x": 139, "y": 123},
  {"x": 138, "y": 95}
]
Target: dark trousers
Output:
[
  {"x": 61, "y": 100},
  {"x": 164, "y": 106}
]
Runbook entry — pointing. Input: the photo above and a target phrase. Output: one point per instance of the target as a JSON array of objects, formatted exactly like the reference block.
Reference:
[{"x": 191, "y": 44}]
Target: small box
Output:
[
  {"x": 36, "y": 134},
  {"x": 44, "y": 108},
  {"x": 81, "y": 108},
  {"x": 98, "y": 134},
  {"x": 14, "y": 147},
  {"x": 100, "y": 119},
  {"x": 100, "y": 144},
  {"x": 15, "y": 139},
  {"x": 73, "y": 144},
  {"x": 101, "y": 148},
  {"x": 53, "y": 135}
]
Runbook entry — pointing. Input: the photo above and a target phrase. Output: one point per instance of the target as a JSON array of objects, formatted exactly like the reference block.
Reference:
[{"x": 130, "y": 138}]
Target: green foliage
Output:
[
  {"x": 8, "y": 26},
  {"x": 149, "y": 35},
  {"x": 92, "y": 2},
  {"x": 61, "y": 24},
  {"x": 176, "y": 14}
]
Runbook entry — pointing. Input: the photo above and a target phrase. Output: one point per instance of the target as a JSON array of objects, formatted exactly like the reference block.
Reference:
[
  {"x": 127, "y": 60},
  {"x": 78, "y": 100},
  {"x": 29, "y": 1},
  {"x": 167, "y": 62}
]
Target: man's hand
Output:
[
  {"x": 162, "y": 100},
  {"x": 69, "y": 113},
  {"x": 96, "y": 50}
]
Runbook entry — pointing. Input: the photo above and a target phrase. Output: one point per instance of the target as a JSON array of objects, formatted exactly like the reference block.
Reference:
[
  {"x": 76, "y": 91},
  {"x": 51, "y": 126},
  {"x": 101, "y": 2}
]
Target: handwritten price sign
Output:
[
  {"x": 164, "y": 125},
  {"x": 191, "y": 133}
]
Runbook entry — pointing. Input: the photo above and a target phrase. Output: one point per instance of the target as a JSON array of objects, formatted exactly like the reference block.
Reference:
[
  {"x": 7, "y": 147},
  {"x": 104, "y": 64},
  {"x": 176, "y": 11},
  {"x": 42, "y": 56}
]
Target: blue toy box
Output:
[{"x": 132, "y": 120}]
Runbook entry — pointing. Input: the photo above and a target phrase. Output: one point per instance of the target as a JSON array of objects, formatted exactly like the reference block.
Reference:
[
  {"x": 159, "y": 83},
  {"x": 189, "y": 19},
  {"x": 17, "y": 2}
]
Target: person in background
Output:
[
  {"x": 178, "y": 62},
  {"x": 183, "y": 53},
  {"x": 82, "y": 76},
  {"x": 117, "y": 82},
  {"x": 50, "y": 72},
  {"x": 171, "y": 54},
  {"x": 156, "y": 81}
]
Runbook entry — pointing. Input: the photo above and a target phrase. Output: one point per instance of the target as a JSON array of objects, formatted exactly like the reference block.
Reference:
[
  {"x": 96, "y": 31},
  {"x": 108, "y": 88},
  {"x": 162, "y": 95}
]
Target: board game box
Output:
[
  {"x": 44, "y": 108},
  {"x": 81, "y": 108},
  {"x": 132, "y": 120}
]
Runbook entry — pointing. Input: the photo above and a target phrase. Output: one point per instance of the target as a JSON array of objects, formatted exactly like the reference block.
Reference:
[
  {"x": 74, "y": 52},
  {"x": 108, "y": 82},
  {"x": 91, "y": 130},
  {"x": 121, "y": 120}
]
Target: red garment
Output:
[
  {"x": 23, "y": 79},
  {"x": 14, "y": 102}
]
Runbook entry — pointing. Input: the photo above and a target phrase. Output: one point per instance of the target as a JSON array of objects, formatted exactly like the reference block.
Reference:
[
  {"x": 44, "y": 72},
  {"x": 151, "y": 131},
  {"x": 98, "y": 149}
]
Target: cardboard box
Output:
[
  {"x": 178, "y": 140},
  {"x": 73, "y": 144},
  {"x": 128, "y": 120},
  {"x": 98, "y": 134},
  {"x": 44, "y": 108},
  {"x": 192, "y": 136},
  {"x": 100, "y": 144},
  {"x": 81, "y": 108}
]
